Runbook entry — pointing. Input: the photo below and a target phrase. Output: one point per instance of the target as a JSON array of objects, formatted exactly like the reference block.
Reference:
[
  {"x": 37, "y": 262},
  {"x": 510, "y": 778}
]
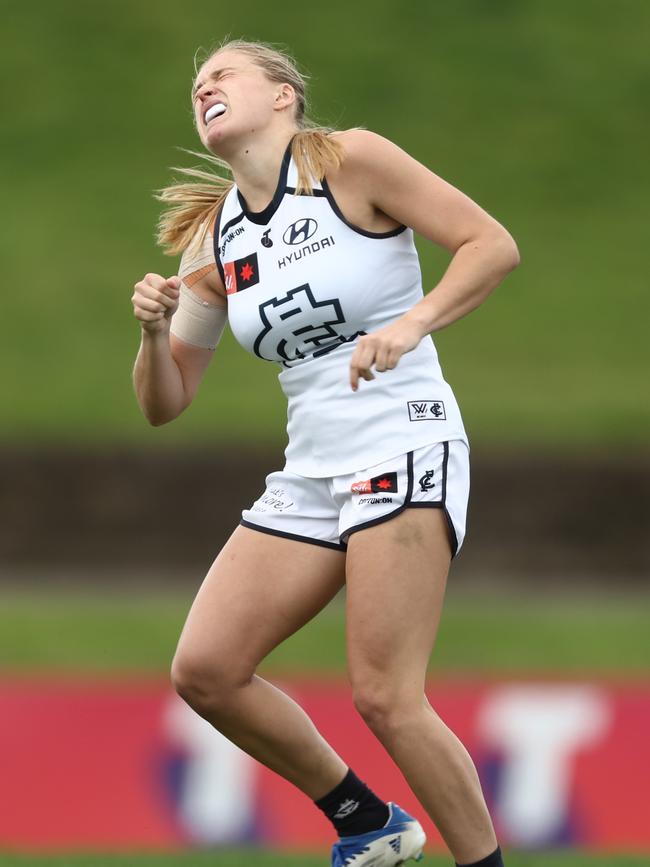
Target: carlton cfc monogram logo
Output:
[
  {"x": 376, "y": 485},
  {"x": 241, "y": 274}
]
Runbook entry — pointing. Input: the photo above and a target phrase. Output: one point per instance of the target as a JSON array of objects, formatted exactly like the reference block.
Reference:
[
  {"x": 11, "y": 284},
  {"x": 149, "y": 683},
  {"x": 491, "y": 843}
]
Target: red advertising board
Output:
[{"x": 125, "y": 764}]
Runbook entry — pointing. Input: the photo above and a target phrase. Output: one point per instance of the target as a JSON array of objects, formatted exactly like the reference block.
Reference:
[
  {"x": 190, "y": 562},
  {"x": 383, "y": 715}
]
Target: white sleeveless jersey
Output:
[{"x": 302, "y": 285}]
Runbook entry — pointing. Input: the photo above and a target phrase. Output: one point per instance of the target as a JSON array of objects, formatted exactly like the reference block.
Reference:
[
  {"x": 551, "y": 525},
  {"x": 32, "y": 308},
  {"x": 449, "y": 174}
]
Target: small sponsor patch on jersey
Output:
[
  {"x": 377, "y": 485},
  {"x": 241, "y": 274},
  {"x": 426, "y": 410}
]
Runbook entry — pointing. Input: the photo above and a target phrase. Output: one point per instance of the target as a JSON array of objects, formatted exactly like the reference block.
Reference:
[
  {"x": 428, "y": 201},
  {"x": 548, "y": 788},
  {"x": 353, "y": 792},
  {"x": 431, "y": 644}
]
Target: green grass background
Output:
[
  {"x": 55, "y": 632},
  {"x": 536, "y": 110}
]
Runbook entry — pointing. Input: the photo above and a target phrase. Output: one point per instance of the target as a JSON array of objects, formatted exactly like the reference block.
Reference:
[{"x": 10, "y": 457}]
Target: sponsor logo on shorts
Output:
[
  {"x": 378, "y": 484},
  {"x": 241, "y": 274},
  {"x": 373, "y": 501},
  {"x": 426, "y": 481},
  {"x": 426, "y": 410}
]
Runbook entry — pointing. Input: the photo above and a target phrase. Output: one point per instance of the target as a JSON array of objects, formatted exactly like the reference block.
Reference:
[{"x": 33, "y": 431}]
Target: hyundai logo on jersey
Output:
[
  {"x": 300, "y": 231},
  {"x": 378, "y": 484},
  {"x": 241, "y": 273}
]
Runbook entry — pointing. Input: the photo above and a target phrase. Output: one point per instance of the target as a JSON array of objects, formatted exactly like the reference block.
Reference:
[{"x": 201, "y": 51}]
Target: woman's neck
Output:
[{"x": 256, "y": 166}]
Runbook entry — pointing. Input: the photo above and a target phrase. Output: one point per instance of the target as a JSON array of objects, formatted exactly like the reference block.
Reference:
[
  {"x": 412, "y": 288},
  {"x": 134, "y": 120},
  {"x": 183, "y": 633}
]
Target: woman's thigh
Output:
[
  {"x": 396, "y": 579},
  {"x": 260, "y": 590}
]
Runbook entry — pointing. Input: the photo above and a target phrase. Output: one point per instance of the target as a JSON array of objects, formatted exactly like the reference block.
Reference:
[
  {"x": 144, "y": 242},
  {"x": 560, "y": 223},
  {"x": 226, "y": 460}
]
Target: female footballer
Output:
[{"x": 309, "y": 254}]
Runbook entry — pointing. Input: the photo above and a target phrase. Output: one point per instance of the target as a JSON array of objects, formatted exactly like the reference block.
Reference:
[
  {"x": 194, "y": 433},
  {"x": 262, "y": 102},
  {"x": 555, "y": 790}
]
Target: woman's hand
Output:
[
  {"x": 155, "y": 301},
  {"x": 383, "y": 349}
]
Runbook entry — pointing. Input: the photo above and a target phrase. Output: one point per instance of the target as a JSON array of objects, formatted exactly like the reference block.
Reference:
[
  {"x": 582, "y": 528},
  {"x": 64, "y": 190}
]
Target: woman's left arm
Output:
[{"x": 483, "y": 251}]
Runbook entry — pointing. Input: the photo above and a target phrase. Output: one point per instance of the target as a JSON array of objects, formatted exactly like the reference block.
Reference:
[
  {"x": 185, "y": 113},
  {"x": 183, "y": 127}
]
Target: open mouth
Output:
[{"x": 215, "y": 110}]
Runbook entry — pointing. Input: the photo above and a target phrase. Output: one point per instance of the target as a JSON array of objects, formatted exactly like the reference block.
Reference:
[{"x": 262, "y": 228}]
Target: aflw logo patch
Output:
[
  {"x": 378, "y": 484},
  {"x": 241, "y": 273},
  {"x": 426, "y": 410}
]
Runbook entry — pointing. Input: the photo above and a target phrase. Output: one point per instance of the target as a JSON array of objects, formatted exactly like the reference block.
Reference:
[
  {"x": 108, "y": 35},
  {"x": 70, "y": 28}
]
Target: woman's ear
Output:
[{"x": 284, "y": 96}]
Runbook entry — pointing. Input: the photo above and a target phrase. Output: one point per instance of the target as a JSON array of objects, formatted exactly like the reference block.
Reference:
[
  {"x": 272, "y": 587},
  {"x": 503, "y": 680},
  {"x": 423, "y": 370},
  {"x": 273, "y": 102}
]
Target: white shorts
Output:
[{"x": 327, "y": 511}]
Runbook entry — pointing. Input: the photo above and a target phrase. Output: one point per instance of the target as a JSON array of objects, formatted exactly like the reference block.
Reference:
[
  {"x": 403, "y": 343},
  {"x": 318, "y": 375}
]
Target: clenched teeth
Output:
[{"x": 214, "y": 111}]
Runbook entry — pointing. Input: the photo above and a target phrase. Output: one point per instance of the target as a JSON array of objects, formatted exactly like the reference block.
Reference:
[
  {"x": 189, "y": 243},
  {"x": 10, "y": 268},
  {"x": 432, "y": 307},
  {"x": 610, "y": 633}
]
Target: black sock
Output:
[
  {"x": 353, "y": 808},
  {"x": 493, "y": 860}
]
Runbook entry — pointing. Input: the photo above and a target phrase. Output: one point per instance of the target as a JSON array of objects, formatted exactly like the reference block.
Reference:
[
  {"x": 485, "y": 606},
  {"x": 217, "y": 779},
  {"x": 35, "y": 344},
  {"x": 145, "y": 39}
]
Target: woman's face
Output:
[{"x": 236, "y": 97}]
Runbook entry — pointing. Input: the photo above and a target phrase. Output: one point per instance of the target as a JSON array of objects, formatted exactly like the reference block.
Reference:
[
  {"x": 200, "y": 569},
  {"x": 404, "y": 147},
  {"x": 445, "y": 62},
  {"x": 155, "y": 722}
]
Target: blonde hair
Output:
[{"x": 194, "y": 206}]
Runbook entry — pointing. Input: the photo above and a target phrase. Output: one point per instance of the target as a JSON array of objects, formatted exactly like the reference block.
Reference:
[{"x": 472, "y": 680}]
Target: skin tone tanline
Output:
[{"x": 235, "y": 620}]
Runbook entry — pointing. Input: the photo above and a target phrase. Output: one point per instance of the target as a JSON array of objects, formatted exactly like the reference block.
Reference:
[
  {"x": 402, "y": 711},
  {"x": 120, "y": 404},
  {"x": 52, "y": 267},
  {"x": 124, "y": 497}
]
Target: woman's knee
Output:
[
  {"x": 377, "y": 704},
  {"x": 206, "y": 681},
  {"x": 383, "y": 707}
]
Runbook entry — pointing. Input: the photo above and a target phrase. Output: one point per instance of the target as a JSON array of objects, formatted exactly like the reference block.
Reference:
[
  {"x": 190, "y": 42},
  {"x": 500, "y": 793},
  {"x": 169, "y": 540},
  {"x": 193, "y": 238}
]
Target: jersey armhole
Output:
[{"x": 334, "y": 206}]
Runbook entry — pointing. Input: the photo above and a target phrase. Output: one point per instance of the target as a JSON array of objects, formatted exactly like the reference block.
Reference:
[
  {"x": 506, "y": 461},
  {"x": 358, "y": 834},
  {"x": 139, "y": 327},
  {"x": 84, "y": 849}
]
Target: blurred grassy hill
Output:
[{"x": 537, "y": 111}]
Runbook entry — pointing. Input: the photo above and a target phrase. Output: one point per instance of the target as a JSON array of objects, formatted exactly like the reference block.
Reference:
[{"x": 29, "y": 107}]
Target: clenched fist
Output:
[{"x": 154, "y": 302}]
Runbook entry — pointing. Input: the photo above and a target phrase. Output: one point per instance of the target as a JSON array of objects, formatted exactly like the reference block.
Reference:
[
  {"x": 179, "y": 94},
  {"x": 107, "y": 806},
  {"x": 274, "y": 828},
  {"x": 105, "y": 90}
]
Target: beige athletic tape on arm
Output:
[{"x": 196, "y": 321}]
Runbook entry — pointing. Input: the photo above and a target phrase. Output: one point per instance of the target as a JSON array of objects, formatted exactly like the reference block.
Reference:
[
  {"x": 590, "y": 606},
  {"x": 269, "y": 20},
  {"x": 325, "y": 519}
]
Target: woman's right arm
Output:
[{"x": 168, "y": 370}]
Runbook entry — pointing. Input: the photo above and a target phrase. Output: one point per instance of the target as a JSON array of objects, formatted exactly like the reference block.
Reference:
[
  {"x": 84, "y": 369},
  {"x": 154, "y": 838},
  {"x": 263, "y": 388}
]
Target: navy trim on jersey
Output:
[
  {"x": 233, "y": 222},
  {"x": 330, "y": 198},
  {"x": 263, "y": 217},
  {"x": 216, "y": 243},
  {"x": 337, "y": 546},
  {"x": 314, "y": 192}
]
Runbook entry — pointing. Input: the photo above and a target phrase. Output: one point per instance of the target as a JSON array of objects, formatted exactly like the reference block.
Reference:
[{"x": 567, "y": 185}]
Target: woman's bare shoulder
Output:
[
  {"x": 353, "y": 183},
  {"x": 362, "y": 144}
]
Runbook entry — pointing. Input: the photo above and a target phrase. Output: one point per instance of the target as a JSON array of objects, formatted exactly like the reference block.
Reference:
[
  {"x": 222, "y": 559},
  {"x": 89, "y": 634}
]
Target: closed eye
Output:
[{"x": 214, "y": 76}]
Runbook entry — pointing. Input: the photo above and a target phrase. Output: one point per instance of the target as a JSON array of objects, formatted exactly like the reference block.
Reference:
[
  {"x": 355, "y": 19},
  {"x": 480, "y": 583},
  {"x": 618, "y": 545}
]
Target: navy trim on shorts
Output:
[
  {"x": 442, "y": 503},
  {"x": 380, "y": 520},
  {"x": 408, "y": 504},
  {"x": 453, "y": 538},
  {"x": 337, "y": 546},
  {"x": 445, "y": 461}
]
